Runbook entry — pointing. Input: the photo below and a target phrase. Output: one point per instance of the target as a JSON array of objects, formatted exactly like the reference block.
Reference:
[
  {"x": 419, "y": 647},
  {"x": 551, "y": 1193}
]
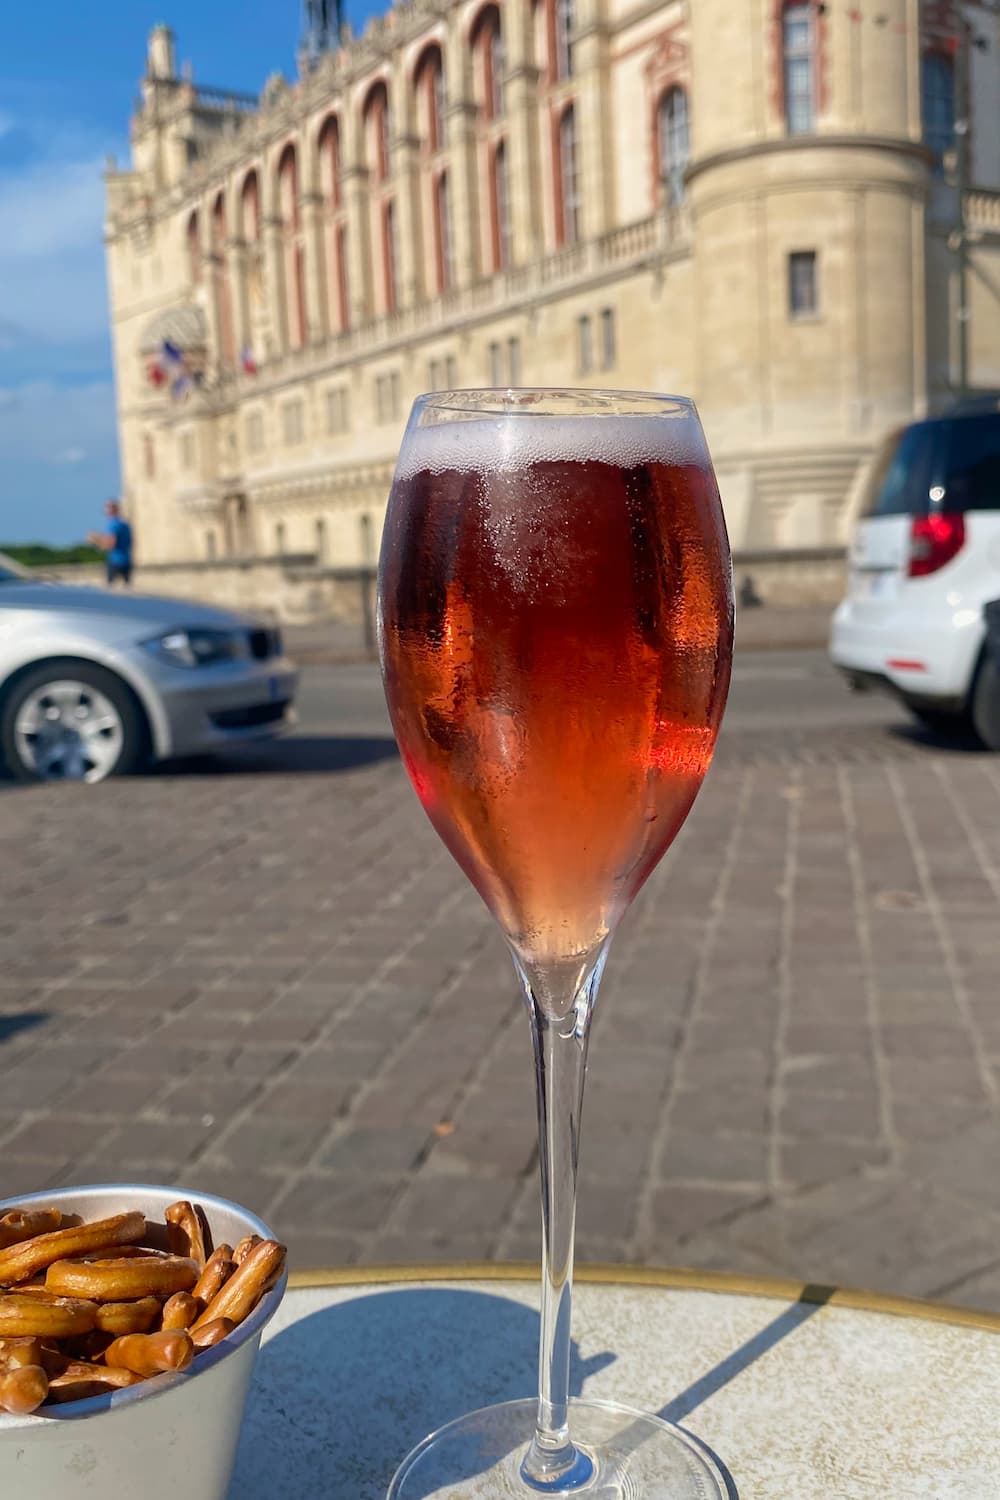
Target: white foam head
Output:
[{"x": 495, "y": 444}]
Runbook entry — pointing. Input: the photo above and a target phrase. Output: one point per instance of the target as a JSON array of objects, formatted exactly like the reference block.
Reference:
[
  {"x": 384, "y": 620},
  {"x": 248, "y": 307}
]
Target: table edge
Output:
[{"x": 667, "y": 1277}]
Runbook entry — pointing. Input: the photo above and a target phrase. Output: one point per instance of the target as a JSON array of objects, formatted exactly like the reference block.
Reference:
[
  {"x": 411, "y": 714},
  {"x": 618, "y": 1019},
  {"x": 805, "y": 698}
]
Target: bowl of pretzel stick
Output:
[{"x": 130, "y": 1318}]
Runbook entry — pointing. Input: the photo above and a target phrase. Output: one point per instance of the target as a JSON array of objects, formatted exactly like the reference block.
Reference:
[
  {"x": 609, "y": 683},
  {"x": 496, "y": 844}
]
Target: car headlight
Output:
[{"x": 196, "y": 647}]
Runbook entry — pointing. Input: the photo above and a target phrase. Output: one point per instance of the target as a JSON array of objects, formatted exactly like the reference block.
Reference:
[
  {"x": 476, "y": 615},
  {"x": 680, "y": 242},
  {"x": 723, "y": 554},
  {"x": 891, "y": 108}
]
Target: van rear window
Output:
[
  {"x": 972, "y": 473},
  {"x": 899, "y": 480}
]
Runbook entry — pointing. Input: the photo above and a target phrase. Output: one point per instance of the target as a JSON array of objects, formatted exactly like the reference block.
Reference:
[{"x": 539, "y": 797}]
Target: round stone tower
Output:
[{"x": 807, "y": 188}]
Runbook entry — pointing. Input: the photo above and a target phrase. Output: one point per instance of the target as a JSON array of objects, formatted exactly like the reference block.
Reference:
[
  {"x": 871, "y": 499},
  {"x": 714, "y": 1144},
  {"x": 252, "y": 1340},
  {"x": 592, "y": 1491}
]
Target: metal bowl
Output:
[{"x": 174, "y": 1434}]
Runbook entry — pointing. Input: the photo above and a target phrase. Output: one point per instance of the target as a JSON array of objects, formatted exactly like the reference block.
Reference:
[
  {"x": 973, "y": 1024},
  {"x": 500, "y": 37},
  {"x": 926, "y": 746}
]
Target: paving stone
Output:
[{"x": 278, "y": 987}]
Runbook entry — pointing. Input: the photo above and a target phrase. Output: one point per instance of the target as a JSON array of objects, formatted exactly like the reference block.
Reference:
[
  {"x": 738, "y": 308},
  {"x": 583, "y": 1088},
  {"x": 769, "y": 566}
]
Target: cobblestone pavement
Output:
[{"x": 278, "y": 986}]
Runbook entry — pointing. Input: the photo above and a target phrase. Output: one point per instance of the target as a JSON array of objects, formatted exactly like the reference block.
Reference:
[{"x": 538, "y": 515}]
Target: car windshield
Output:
[{"x": 9, "y": 573}]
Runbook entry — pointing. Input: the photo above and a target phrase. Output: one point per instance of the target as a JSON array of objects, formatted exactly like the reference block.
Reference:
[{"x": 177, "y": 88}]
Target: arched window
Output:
[
  {"x": 429, "y": 81},
  {"x": 937, "y": 90},
  {"x": 250, "y": 208},
  {"x": 223, "y": 295},
  {"x": 382, "y": 225},
  {"x": 194, "y": 248},
  {"x": 798, "y": 45},
  {"x": 568, "y": 197},
  {"x": 442, "y": 227},
  {"x": 334, "y": 224},
  {"x": 501, "y": 210},
  {"x": 389, "y": 256},
  {"x": 329, "y": 161},
  {"x": 320, "y": 540},
  {"x": 672, "y": 142},
  {"x": 487, "y": 46},
  {"x": 565, "y": 19},
  {"x": 293, "y": 250},
  {"x": 279, "y": 538},
  {"x": 376, "y": 123}
]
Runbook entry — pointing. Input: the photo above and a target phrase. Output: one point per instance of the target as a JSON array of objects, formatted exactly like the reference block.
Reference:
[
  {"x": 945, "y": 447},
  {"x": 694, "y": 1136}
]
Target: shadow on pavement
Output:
[
  {"x": 303, "y": 754},
  {"x": 952, "y": 737},
  {"x": 24, "y": 1020}
]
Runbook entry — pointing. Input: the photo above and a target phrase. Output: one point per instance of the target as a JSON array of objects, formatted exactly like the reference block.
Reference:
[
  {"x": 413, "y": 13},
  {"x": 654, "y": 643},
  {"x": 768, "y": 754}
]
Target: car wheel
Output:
[
  {"x": 71, "y": 721},
  {"x": 985, "y": 703}
]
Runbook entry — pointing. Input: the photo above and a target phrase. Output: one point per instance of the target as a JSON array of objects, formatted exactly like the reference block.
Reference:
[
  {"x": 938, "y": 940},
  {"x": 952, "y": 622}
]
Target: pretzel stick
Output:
[
  {"x": 218, "y": 1269},
  {"x": 180, "y": 1310},
  {"x": 57, "y": 1318},
  {"x": 185, "y": 1235},
  {"x": 81, "y": 1379},
  {"x": 151, "y": 1353},
  {"x": 244, "y": 1247},
  {"x": 128, "y": 1317},
  {"x": 122, "y": 1280},
  {"x": 20, "y": 1261},
  {"x": 23, "y": 1224},
  {"x": 240, "y": 1294},
  {"x": 23, "y": 1390},
  {"x": 211, "y": 1333}
]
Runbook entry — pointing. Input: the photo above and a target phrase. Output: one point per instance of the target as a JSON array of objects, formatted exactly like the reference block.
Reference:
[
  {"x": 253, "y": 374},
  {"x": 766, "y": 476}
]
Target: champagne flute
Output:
[{"x": 555, "y": 632}]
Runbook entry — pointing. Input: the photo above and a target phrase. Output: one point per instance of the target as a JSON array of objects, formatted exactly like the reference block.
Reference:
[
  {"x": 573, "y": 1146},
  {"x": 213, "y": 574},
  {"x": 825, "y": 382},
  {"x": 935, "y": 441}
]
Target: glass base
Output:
[{"x": 627, "y": 1456}]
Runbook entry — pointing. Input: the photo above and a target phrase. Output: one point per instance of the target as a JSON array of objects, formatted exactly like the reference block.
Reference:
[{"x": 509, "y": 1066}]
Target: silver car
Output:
[{"x": 93, "y": 683}]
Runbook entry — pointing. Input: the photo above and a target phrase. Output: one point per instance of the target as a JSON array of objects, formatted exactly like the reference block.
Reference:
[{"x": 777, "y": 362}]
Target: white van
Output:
[{"x": 924, "y": 562}]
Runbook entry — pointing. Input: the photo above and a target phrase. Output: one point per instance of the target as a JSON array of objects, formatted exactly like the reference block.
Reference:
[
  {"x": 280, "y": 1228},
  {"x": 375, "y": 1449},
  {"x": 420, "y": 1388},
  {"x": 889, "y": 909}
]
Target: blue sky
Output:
[{"x": 68, "y": 76}]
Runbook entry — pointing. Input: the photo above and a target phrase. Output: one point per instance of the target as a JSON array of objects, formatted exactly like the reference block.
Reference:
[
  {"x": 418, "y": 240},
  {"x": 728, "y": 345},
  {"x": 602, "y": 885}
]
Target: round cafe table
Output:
[{"x": 802, "y": 1392}]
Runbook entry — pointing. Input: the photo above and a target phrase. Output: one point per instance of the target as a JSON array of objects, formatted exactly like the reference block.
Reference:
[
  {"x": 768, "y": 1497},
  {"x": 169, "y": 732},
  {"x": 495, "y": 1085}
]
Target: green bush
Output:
[{"x": 41, "y": 555}]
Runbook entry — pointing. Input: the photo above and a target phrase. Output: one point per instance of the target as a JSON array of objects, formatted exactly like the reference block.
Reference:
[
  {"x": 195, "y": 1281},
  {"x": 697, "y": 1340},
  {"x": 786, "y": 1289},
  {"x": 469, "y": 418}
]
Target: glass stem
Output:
[{"x": 560, "y": 1035}]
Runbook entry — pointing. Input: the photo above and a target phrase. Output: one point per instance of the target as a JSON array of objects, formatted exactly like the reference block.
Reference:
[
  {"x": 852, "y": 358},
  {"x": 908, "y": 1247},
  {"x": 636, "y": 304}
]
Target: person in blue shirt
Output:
[{"x": 116, "y": 544}]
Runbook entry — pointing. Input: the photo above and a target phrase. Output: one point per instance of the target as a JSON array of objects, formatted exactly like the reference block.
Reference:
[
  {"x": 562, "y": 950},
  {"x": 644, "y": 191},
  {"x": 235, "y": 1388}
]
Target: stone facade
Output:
[{"x": 755, "y": 205}]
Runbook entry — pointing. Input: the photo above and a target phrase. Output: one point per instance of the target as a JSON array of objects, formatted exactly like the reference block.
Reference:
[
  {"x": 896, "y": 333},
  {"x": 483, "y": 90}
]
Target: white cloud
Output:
[
  {"x": 71, "y": 456},
  {"x": 52, "y": 279}
]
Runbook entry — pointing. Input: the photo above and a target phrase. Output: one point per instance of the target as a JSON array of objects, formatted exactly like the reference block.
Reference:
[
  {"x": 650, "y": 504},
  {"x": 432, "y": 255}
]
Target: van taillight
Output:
[{"x": 934, "y": 541}]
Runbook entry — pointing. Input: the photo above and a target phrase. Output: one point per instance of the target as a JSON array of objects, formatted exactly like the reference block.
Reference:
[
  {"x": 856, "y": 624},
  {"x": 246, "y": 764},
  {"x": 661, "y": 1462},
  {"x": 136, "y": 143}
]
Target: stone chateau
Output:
[{"x": 764, "y": 205}]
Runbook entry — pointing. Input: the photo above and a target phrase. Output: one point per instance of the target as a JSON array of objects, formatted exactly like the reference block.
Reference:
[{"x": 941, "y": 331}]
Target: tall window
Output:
[
  {"x": 389, "y": 256},
  {"x": 799, "y": 66},
  {"x": 584, "y": 345},
  {"x": 673, "y": 142},
  {"x": 320, "y": 545},
  {"x": 376, "y": 117},
  {"x": 937, "y": 88},
  {"x": 223, "y": 298},
  {"x": 431, "y": 99},
  {"x": 501, "y": 210},
  {"x": 565, "y": 22},
  {"x": 803, "y": 293},
  {"x": 487, "y": 44},
  {"x": 609, "y": 351},
  {"x": 568, "y": 225},
  {"x": 293, "y": 249},
  {"x": 279, "y": 538},
  {"x": 250, "y": 208},
  {"x": 442, "y": 222},
  {"x": 334, "y": 224},
  {"x": 194, "y": 249}
]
